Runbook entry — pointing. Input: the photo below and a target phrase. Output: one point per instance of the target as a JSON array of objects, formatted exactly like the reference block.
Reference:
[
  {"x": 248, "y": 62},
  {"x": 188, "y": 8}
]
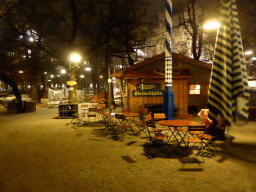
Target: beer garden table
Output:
[{"x": 174, "y": 126}]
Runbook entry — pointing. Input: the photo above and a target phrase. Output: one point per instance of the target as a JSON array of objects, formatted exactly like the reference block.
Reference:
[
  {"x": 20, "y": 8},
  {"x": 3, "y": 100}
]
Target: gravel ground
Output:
[{"x": 40, "y": 152}]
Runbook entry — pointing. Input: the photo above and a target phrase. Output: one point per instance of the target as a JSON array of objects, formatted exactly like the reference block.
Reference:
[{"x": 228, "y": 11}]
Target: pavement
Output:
[{"x": 40, "y": 152}]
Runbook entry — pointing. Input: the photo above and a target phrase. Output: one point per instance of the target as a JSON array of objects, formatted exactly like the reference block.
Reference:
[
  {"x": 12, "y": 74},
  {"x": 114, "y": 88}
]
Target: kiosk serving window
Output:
[{"x": 194, "y": 89}]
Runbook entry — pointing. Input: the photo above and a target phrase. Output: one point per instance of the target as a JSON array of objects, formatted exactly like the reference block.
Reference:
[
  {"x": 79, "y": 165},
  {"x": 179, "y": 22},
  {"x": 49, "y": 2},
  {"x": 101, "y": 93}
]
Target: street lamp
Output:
[
  {"x": 248, "y": 52},
  {"x": 74, "y": 59},
  {"x": 211, "y": 25},
  {"x": 63, "y": 71}
]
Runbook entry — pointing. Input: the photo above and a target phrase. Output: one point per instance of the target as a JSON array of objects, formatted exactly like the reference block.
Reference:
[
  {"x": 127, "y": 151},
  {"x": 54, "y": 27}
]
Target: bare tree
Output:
[{"x": 191, "y": 19}]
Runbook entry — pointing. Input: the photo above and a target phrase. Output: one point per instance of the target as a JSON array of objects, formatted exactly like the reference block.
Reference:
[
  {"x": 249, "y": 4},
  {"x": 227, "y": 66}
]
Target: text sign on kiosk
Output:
[
  {"x": 149, "y": 90},
  {"x": 71, "y": 83}
]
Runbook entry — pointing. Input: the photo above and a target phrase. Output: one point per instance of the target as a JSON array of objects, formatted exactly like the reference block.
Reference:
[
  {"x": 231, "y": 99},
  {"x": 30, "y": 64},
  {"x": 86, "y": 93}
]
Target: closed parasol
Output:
[{"x": 228, "y": 90}]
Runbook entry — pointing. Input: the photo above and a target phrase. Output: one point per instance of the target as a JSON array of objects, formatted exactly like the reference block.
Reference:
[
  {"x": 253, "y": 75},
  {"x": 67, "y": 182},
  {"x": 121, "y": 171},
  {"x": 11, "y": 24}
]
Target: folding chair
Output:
[
  {"x": 200, "y": 139},
  {"x": 113, "y": 108},
  {"x": 191, "y": 137},
  {"x": 184, "y": 116},
  {"x": 100, "y": 109},
  {"x": 136, "y": 122},
  {"x": 100, "y": 106},
  {"x": 79, "y": 119},
  {"x": 155, "y": 138},
  {"x": 123, "y": 125},
  {"x": 110, "y": 124},
  {"x": 141, "y": 125},
  {"x": 159, "y": 116},
  {"x": 92, "y": 113},
  {"x": 85, "y": 109},
  {"x": 126, "y": 110}
]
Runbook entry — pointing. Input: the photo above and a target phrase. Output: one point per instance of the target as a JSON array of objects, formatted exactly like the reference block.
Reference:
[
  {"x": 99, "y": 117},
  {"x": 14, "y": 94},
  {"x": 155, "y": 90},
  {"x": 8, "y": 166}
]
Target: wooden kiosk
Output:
[{"x": 146, "y": 81}]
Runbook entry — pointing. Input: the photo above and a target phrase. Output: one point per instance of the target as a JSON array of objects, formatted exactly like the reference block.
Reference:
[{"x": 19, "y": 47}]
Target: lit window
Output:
[
  {"x": 252, "y": 83},
  {"x": 194, "y": 89}
]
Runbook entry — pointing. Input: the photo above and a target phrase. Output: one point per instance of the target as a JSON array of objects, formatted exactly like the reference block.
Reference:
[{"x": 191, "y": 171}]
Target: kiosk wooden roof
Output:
[{"x": 155, "y": 66}]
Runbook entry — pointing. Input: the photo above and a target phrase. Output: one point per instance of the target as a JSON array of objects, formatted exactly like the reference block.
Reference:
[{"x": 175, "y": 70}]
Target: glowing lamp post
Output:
[
  {"x": 211, "y": 25},
  {"x": 74, "y": 60}
]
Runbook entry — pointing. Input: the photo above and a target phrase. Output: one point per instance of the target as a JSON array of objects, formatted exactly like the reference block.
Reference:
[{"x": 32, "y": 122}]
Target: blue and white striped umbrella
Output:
[{"x": 228, "y": 91}]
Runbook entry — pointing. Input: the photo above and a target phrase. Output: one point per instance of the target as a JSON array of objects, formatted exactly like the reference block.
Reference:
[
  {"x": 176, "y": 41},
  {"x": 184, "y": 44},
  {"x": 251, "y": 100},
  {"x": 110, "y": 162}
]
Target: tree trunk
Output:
[{"x": 35, "y": 89}]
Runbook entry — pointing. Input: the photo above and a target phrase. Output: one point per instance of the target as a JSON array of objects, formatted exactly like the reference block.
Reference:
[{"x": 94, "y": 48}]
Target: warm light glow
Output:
[
  {"x": 87, "y": 69},
  {"x": 75, "y": 57},
  {"x": 63, "y": 71},
  {"x": 20, "y": 71},
  {"x": 248, "y": 52},
  {"x": 101, "y": 76},
  {"x": 52, "y": 76},
  {"x": 253, "y": 58},
  {"x": 81, "y": 76},
  {"x": 31, "y": 39},
  {"x": 141, "y": 53},
  {"x": 211, "y": 25},
  {"x": 252, "y": 83}
]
